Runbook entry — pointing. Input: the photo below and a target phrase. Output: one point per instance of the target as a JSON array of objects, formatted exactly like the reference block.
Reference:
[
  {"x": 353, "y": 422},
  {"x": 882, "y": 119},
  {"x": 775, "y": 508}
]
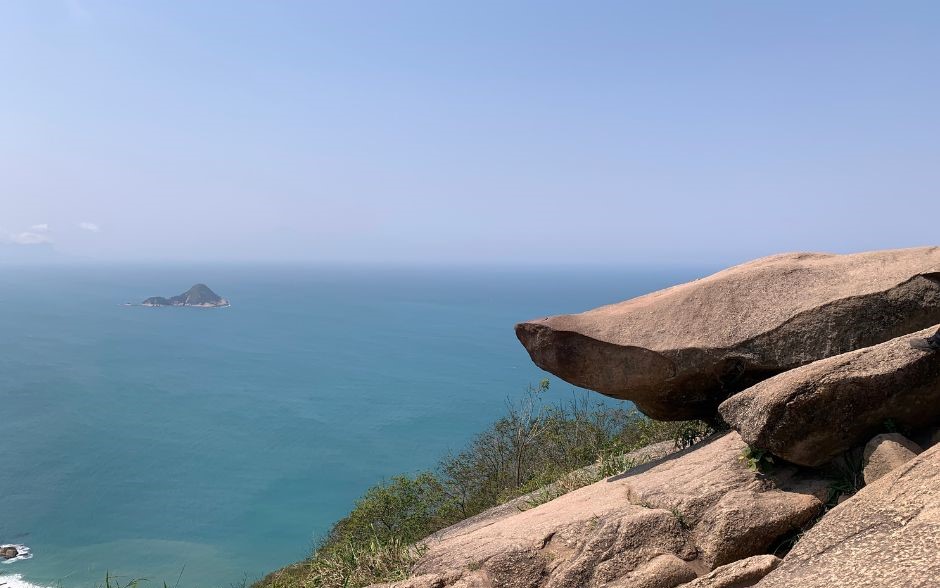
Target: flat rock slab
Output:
[
  {"x": 813, "y": 413},
  {"x": 886, "y": 536},
  {"x": 657, "y": 526},
  {"x": 677, "y": 353}
]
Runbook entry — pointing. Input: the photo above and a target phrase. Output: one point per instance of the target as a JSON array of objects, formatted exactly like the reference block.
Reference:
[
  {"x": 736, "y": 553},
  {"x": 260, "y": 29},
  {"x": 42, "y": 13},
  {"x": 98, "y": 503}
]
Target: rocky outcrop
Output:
[
  {"x": 13, "y": 552},
  {"x": 740, "y": 574},
  {"x": 885, "y": 536},
  {"x": 488, "y": 517},
  {"x": 8, "y": 552},
  {"x": 811, "y": 414},
  {"x": 656, "y": 526},
  {"x": 807, "y": 357},
  {"x": 885, "y": 453},
  {"x": 679, "y": 352},
  {"x": 199, "y": 295},
  {"x": 731, "y": 511}
]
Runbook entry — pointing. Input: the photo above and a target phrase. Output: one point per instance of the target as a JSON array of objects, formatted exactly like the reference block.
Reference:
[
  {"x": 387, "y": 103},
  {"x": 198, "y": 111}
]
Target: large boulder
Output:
[
  {"x": 730, "y": 511},
  {"x": 886, "y": 536},
  {"x": 657, "y": 526},
  {"x": 677, "y": 353},
  {"x": 813, "y": 413},
  {"x": 885, "y": 453}
]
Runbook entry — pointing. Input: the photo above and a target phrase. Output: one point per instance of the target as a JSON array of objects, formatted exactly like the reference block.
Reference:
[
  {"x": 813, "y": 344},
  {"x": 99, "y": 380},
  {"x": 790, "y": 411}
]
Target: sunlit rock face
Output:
[{"x": 679, "y": 352}]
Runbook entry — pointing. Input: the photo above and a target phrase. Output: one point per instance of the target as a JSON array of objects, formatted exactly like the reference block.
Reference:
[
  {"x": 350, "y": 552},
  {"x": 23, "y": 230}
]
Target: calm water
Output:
[{"x": 221, "y": 442}]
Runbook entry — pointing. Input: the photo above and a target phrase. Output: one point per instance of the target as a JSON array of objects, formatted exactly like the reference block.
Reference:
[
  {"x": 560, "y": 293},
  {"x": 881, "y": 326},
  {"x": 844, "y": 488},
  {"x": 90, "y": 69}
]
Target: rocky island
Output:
[
  {"x": 12, "y": 552},
  {"x": 199, "y": 295}
]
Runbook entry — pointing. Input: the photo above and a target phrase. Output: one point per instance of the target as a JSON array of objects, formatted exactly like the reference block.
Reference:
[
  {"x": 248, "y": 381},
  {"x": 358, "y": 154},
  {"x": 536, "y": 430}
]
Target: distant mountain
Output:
[{"x": 199, "y": 295}]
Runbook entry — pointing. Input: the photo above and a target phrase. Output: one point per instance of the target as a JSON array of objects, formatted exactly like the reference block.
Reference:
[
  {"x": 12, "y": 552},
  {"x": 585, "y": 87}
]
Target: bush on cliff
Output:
[
  {"x": 533, "y": 445},
  {"x": 404, "y": 508}
]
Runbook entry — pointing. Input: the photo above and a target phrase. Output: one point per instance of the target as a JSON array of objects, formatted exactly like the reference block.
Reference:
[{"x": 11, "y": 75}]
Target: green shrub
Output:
[
  {"x": 680, "y": 518},
  {"x": 688, "y": 433},
  {"x": 405, "y": 508},
  {"x": 757, "y": 459}
]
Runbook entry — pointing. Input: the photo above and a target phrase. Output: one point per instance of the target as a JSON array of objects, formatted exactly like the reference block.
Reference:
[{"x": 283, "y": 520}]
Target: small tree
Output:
[{"x": 526, "y": 423}]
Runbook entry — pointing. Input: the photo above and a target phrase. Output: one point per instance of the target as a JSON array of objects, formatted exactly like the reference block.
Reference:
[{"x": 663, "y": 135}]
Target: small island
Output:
[
  {"x": 11, "y": 552},
  {"x": 199, "y": 295}
]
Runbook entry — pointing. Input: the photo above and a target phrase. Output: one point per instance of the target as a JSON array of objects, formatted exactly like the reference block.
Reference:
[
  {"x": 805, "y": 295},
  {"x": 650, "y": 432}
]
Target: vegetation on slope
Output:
[{"x": 535, "y": 444}]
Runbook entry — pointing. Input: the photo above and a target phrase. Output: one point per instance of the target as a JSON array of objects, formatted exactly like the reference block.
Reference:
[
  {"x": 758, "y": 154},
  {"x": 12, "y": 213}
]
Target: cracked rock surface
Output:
[{"x": 886, "y": 536}]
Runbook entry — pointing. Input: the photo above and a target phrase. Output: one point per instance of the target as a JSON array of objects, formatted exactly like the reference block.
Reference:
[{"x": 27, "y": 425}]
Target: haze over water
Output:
[{"x": 221, "y": 442}]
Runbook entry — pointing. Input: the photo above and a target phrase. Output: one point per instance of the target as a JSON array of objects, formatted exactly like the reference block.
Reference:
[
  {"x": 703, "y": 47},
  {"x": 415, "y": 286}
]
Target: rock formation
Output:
[
  {"x": 811, "y": 414},
  {"x": 13, "y": 552},
  {"x": 838, "y": 329},
  {"x": 679, "y": 352},
  {"x": 8, "y": 552},
  {"x": 657, "y": 526},
  {"x": 887, "y": 535},
  {"x": 199, "y": 295}
]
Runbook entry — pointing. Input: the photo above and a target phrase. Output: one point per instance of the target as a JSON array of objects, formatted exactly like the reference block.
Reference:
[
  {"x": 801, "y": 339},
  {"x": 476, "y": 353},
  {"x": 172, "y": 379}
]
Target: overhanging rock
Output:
[{"x": 679, "y": 352}]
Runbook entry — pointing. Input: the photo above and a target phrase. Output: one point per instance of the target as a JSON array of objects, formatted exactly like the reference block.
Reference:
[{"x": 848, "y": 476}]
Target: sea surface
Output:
[{"x": 202, "y": 447}]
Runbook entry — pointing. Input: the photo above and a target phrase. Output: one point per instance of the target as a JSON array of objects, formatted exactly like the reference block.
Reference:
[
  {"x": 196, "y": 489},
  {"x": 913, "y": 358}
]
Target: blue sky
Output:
[{"x": 468, "y": 132}]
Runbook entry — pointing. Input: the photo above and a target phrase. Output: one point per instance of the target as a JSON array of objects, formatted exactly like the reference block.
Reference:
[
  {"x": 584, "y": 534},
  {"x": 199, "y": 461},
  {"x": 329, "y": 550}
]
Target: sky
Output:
[{"x": 467, "y": 132}]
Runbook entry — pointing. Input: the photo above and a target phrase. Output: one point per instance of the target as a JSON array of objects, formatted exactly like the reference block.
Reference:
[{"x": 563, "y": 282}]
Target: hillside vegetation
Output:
[{"x": 534, "y": 445}]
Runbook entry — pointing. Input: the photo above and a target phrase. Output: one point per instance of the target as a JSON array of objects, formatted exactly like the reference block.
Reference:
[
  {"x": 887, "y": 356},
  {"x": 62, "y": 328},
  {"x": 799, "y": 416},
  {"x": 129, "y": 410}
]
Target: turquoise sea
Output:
[{"x": 212, "y": 445}]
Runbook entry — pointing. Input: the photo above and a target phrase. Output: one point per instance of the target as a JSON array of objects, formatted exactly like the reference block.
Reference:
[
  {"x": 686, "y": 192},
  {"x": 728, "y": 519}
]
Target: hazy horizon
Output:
[{"x": 481, "y": 134}]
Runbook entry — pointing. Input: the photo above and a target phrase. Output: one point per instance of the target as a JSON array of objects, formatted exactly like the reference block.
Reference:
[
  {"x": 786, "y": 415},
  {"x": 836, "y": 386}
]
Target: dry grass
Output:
[{"x": 349, "y": 564}]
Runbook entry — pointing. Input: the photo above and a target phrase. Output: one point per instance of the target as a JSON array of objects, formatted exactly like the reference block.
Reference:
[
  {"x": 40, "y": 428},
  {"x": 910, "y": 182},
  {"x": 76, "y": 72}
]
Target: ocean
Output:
[{"x": 204, "y": 447}]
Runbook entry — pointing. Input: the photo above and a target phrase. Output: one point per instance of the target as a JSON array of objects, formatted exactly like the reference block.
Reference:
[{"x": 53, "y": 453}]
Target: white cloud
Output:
[
  {"x": 40, "y": 228},
  {"x": 89, "y": 227},
  {"x": 29, "y": 238}
]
